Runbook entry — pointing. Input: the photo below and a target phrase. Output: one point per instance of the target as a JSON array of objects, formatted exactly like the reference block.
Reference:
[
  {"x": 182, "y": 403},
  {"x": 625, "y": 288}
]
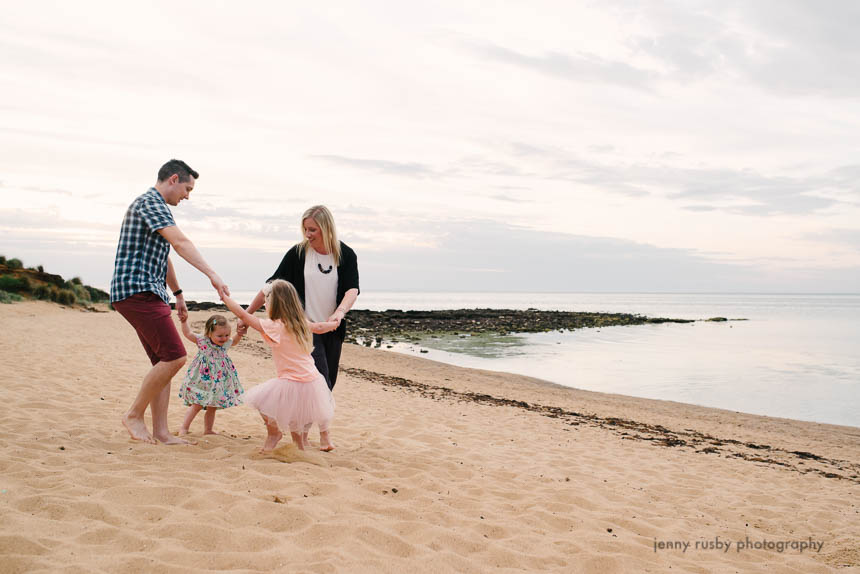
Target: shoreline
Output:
[
  {"x": 655, "y": 429},
  {"x": 460, "y": 469},
  {"x": 429, "y": 324},
  {"x": 373, "y": 328}
]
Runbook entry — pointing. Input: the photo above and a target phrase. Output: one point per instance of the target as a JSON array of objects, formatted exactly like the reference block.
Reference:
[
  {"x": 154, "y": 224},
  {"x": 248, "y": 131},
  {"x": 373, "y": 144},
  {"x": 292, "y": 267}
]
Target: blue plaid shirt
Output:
[{"x": 141, "y": 256}]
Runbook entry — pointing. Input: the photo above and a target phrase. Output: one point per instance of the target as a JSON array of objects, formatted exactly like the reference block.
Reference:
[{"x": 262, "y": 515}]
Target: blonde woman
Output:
[
  {"x": 324, "y": 272},
  {"x": 298, "y": 397}
]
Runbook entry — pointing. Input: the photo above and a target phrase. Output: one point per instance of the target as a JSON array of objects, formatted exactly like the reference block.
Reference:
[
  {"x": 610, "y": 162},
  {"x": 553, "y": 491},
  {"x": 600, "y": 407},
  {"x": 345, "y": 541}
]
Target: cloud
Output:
[
  {"x": 508, "y": 198},
  {"x": 198, "y": 211},
  {"x": 791, "y": 47},
  {"x": 813, "y": 47},
  {"x": 844, "y": 238},
  {"x": 573, "y": 67},
  {"x": 552, "y": 164},
  {"x": 490, "y": 256},
  {"x": 472, "y": 255},
  {"x": 404, "y": 169},
  {"x": 740, "y": 191},
  {"x": 483, "y": 255},
  {"x": 763, "y": 195},
  {"x": 54, "y": 191},
  {"x": 53, "y": 135},
  {"x": 766, "y": 195},
  {"x": 70, "y": 59},
  {"x": 37, "y": 220},
  {"x": 700, "y": 208}
]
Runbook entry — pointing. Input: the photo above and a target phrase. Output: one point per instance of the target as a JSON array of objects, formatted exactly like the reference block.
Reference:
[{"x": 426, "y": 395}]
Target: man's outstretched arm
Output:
[{"x": 186, "y": 249}]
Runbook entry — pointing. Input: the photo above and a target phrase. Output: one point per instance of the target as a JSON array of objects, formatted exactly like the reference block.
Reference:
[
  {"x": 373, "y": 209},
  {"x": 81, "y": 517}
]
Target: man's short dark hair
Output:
[{"x": 180, "y": 168}]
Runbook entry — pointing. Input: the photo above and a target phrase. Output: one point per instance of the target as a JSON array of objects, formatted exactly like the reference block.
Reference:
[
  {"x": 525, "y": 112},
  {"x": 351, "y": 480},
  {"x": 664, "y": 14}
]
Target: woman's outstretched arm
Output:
[{"x": 348, "y": 301}]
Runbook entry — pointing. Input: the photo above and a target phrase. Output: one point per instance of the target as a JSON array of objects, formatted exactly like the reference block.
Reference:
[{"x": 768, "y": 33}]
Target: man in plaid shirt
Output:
[{"x": 142, "y": 274}]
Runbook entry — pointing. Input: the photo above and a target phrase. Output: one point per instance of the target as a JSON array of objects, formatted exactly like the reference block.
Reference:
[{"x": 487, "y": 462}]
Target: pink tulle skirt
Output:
[{"x": 296, "y": 406}]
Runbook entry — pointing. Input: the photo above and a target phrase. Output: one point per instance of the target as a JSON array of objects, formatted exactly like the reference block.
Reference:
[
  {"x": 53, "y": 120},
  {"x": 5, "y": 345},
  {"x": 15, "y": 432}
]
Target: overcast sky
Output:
[{"x": 530, "y": 146}]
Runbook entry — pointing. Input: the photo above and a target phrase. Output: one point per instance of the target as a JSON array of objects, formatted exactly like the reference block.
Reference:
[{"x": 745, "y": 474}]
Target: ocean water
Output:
[{"x": 793, "y": 356}]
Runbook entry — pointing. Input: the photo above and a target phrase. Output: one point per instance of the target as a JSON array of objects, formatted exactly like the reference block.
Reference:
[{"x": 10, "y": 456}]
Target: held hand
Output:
[
  {"x": 337, "y": 317},
  {"x": 181, "y": 309},
  {"x": 329, "y": 326},
  {"x": 241, "y": 328},
  {"x": 220, "y": 286}
]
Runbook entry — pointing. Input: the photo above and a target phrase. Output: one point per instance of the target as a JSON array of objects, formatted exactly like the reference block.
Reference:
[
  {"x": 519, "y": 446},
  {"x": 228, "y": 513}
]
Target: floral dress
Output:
[{"x": 211, "y": 380}]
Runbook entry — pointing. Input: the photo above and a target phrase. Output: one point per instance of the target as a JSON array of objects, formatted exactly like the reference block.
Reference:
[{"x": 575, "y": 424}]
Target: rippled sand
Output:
[{"x": 437, "y": 469}]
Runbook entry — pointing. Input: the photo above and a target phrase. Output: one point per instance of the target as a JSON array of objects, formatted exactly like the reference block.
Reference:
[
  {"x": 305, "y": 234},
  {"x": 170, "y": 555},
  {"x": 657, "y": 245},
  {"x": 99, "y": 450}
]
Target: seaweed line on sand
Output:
[{"x": 627, "y": 429}]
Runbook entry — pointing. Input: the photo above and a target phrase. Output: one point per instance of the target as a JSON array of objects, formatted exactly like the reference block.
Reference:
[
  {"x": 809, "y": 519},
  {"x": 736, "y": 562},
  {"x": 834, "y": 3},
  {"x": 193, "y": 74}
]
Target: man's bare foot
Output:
[
  {"x": 169, "y": 440},
  {"x": 137, "y": 429},
  {"x": 271, "y": 442}
]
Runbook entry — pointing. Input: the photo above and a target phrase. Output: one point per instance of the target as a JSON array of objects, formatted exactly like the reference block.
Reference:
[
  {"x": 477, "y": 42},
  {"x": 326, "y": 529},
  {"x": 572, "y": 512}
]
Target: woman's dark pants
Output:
[{"x": 326, "y": 355}]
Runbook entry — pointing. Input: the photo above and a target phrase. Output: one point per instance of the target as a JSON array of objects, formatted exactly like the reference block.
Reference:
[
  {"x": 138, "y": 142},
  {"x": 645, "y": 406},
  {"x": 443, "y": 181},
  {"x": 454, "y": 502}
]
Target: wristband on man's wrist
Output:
[{"x": 177, "y": 293}]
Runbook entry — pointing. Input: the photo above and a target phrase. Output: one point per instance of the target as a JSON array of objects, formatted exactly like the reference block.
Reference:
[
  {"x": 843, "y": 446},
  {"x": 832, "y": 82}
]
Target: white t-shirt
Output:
[{"x": 320, "y": 285}]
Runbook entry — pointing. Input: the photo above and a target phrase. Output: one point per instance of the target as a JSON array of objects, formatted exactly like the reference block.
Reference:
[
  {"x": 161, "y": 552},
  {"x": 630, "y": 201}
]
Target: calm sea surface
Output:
[{"x": 795, "y": 356}]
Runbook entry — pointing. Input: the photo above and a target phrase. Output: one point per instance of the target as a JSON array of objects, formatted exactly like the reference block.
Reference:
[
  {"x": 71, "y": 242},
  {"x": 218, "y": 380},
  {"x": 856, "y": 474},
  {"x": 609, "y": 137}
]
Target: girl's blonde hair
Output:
[
  {"x": 323, "y": 217},
  {"x": 282, "y": 303},
  {"x": 214, "y": 321}
]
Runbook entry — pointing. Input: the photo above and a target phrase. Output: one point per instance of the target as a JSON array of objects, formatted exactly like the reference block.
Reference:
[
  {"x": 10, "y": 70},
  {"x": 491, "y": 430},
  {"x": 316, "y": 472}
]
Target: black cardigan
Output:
[{"x": 292, "y": 269}]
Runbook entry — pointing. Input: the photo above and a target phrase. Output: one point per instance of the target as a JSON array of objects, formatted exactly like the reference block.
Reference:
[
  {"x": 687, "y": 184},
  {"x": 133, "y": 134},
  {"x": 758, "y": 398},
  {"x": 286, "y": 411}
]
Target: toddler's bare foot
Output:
[
  {"x": 137, "y": 429},
  {"x": 182, "y": 432},
  {"x": 327, "y": 447},
  {"x": 210, "y": 431},
  {"x": 271, "y": 442}
]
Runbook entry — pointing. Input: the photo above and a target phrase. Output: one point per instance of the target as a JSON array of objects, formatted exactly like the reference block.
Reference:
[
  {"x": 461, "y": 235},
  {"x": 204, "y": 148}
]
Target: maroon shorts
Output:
[{"x": 150, "y": 317}]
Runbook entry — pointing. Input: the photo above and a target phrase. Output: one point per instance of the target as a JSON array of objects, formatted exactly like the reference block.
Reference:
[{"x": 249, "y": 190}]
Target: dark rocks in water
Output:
[
  {"x": 409, "y": 325},
  {"x": 205, "y": 306},
  {"x": 373, "y": 328},
  {"x": 717, "y": 319}
]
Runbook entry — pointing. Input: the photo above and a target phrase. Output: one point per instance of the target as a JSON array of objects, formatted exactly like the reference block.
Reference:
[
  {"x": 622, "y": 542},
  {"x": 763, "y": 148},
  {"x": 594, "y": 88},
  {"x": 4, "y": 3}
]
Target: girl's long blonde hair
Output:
[
  {"x": 323, "y": 217},
  {"x": 282, "y": 303}
]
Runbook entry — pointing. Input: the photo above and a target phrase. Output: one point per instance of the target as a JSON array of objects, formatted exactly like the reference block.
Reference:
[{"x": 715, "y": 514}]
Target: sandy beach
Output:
[{"x": 437, "y": 469}]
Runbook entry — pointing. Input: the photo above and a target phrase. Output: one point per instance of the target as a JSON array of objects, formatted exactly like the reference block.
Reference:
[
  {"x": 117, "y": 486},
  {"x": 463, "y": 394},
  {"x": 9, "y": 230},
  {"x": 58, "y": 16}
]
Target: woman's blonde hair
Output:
[
  {"x": 212, "y": 322},
  {"x": 282, "y": 303},
  {"x": 323, "y": 217}
]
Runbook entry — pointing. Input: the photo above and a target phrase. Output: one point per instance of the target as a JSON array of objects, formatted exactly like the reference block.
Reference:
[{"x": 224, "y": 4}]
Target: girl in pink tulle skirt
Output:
[{"x": 299, "y": 396}]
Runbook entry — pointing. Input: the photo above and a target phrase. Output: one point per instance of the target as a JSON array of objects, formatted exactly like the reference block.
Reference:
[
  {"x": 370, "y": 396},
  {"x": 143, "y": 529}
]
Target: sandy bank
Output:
[{"x": 438, "y": 469}]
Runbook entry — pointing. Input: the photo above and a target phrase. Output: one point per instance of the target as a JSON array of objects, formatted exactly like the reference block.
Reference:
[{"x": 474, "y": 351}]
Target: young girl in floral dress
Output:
[{"x": 211, "y": 382}]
